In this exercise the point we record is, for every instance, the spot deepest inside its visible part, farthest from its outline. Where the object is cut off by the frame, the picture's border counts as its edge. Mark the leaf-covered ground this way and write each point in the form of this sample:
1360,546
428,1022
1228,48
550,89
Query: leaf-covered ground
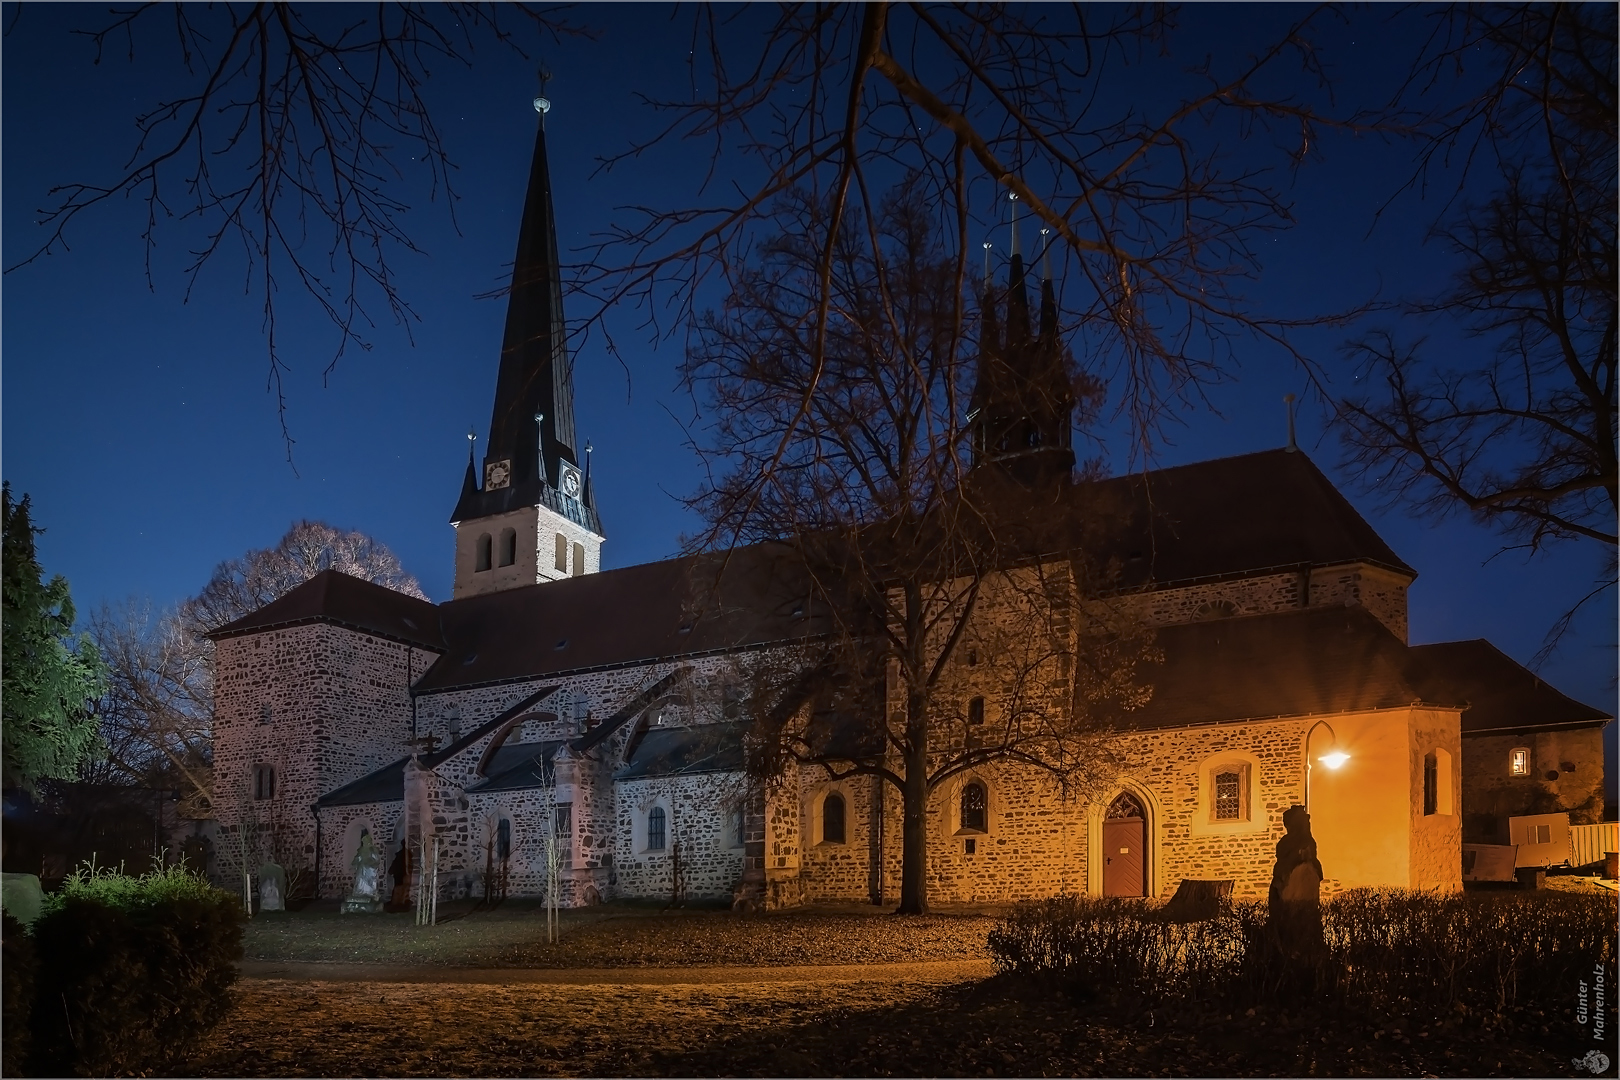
1000,1027
514,935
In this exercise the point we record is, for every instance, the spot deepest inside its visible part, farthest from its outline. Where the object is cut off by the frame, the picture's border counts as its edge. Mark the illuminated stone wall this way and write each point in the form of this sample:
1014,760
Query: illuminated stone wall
338,708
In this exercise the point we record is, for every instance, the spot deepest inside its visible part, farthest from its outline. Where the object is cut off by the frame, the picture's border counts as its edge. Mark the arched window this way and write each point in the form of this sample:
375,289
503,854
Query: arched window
976,711
508,547
503,839
655,829
974,806
1437,782
562,554
579,559
264,782
832,819
484,546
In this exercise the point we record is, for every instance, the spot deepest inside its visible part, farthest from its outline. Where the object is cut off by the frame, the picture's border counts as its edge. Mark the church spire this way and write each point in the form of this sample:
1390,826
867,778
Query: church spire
532,458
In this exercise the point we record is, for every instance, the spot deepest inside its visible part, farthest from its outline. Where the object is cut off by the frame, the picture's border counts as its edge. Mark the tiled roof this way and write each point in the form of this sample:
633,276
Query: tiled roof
1502,695
636,615
1229,517
387,784
516,766
671,751
334,597
1304,662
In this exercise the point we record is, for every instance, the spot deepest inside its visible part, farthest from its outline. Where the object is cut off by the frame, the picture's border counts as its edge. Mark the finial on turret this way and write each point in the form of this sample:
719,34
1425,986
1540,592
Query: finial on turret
987,264
472,437
1015,251
1046,254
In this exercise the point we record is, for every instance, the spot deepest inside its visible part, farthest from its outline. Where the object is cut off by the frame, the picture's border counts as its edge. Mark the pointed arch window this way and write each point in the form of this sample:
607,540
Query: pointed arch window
503,839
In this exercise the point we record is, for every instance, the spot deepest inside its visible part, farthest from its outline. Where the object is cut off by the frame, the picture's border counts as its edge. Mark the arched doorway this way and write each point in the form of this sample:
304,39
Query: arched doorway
1124,847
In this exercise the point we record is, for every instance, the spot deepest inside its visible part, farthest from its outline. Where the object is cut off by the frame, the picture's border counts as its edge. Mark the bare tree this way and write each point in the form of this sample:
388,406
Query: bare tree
1518,430
157,715
293,140
1154,230
855,455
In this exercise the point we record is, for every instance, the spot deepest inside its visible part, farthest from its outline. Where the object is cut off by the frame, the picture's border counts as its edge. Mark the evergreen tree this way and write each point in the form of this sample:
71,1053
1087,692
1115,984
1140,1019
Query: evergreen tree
51,676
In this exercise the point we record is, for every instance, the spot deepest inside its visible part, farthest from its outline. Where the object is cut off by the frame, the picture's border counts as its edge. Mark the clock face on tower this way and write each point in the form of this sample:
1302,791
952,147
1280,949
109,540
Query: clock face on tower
570,481
497,474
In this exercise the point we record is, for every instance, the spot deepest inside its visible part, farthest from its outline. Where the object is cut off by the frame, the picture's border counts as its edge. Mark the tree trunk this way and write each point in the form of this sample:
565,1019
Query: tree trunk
914,816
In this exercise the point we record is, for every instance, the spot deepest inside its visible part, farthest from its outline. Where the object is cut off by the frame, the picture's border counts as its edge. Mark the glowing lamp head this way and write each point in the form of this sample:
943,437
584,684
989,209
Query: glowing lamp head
1334,759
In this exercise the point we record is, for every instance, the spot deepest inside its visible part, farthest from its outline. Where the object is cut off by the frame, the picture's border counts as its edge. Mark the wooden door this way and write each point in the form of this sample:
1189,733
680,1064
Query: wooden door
1124,868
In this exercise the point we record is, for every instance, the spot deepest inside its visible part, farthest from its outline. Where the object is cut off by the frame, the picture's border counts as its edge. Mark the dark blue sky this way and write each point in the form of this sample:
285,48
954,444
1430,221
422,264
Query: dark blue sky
142,428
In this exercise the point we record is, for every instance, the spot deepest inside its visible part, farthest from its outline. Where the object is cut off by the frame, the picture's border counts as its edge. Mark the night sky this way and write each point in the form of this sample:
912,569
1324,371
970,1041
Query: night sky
141,426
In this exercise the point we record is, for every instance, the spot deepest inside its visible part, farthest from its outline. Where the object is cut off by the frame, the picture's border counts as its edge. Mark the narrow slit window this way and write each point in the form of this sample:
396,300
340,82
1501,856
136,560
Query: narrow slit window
264,782
562,554
503,839
1431,785
508,547
485,547
976,711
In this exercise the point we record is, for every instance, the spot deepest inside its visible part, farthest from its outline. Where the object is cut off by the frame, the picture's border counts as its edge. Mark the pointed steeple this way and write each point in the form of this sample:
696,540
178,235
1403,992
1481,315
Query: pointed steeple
531,458
536,374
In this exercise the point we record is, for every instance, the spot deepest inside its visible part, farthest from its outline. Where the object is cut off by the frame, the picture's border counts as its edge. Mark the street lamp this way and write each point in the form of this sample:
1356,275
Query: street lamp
1332,759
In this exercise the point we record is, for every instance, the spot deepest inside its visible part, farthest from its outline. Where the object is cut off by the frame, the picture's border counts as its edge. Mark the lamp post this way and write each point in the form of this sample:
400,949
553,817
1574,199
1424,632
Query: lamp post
1332,759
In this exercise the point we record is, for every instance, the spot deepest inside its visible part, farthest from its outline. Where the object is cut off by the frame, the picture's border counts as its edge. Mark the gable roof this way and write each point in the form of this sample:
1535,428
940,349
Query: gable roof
635,615
1502,694
334,597
1231,517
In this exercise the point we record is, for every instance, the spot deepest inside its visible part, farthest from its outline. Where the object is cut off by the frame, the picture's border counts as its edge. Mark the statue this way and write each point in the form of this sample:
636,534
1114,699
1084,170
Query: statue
1295,902
366,897
272,887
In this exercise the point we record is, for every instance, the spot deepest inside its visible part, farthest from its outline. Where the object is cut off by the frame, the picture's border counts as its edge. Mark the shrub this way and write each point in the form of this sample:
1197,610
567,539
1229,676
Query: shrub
134,971
17,970
1385,948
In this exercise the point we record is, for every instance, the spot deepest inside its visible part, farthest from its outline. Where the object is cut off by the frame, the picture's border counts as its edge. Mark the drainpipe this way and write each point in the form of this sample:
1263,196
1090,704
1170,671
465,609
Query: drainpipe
314,812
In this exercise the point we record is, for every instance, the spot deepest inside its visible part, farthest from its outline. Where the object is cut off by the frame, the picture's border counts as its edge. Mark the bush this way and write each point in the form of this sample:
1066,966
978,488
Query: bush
134,971
17,970
1385,948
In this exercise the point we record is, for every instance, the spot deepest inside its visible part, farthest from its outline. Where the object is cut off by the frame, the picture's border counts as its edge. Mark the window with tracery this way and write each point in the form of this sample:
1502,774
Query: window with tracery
974,807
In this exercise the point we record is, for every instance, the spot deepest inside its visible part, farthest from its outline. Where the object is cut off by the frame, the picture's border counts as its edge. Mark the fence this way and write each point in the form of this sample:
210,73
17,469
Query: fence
1588,843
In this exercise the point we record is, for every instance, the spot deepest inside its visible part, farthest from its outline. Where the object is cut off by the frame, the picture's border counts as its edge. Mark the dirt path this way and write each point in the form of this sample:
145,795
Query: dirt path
926,972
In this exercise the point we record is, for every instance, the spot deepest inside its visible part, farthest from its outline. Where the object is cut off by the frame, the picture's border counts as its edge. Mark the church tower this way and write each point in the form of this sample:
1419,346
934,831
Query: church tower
529,515
1021,415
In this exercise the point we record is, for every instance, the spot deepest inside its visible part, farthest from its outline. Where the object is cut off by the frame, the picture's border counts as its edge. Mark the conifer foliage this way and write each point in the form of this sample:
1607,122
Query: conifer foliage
51,676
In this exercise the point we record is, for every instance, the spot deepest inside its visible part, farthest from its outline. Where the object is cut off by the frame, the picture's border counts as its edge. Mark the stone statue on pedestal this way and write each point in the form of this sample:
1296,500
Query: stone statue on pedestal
366,897
272,887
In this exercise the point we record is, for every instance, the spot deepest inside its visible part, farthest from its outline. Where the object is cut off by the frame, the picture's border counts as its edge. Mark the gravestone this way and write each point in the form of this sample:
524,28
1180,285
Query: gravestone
366,896
272,887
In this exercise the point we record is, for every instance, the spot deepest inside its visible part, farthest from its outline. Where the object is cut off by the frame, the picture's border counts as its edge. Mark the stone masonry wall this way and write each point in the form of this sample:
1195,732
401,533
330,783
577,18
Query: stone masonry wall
1566,773
320,704
1382,592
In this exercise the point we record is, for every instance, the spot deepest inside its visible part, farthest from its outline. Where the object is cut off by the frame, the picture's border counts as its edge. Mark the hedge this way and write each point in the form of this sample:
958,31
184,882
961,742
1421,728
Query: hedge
1385,948
133,971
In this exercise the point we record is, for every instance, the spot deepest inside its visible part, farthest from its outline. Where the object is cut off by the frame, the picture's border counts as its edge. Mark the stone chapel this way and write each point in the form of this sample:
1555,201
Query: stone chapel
551,698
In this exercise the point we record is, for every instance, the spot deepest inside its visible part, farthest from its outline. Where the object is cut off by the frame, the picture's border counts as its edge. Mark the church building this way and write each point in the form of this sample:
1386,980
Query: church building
557,721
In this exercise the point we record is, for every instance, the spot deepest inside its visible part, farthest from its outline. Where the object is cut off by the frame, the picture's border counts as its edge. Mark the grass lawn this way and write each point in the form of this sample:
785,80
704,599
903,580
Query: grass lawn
514,935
